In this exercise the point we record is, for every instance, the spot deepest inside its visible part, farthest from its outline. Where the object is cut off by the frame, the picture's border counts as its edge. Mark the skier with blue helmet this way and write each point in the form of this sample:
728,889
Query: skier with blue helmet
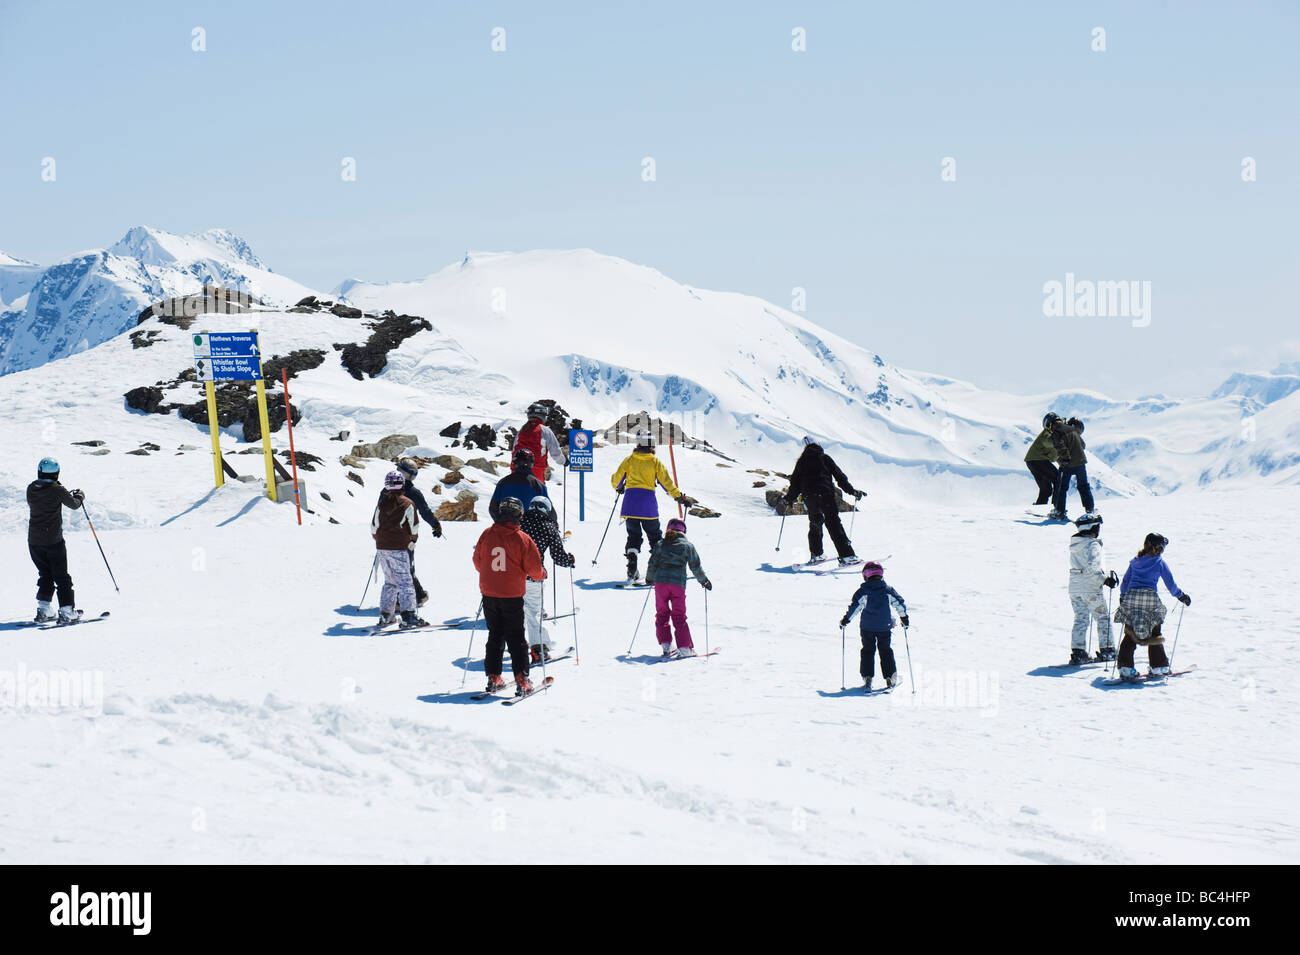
46,499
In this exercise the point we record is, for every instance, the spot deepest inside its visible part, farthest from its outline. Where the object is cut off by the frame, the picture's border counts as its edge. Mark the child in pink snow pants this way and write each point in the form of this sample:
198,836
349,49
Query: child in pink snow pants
667,571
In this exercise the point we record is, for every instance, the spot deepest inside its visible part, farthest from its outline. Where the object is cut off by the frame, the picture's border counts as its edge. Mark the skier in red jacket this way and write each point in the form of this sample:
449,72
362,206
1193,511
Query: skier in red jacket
505,557
537,438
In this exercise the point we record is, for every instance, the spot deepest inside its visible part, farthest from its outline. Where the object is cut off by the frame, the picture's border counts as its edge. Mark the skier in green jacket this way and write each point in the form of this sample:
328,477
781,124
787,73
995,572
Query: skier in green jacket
1040,457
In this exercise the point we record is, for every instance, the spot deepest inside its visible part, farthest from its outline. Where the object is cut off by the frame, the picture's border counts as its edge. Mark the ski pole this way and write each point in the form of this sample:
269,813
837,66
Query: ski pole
908,647
101,547
843,652
638,621
373,564
573,599
602,536
474,626
1177,630
781,531
1109,597
706,624
541,632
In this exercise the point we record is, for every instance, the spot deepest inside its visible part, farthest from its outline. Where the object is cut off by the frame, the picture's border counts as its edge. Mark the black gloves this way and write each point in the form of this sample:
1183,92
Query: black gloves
566,560
437,529
1186,599
686,501
902,618
844,622
706,584
859,495
618,490
1112,580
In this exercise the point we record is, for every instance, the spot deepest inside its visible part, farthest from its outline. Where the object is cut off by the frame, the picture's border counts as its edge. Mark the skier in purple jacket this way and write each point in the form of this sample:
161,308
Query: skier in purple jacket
1140,609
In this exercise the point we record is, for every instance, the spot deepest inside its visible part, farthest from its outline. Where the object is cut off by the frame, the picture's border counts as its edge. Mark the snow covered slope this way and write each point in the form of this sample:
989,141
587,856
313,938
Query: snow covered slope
49,313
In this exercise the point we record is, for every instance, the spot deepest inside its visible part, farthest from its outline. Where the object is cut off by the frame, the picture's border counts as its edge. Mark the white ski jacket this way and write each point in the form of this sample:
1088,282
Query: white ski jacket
1086,572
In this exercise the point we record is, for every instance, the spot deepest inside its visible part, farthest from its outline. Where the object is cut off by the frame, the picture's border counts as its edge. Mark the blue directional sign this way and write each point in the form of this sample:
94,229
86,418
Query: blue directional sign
582,457
227,356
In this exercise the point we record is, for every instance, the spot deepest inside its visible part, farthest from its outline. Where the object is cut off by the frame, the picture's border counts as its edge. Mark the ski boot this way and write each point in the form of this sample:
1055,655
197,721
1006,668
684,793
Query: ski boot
893,680
539,653
412,619
1106,654
1129,675
44,612
686,651
850,560
523,685
631,567
495,682
665,650
386,619
1079,656
1055,515
1157,672
68,615
866,684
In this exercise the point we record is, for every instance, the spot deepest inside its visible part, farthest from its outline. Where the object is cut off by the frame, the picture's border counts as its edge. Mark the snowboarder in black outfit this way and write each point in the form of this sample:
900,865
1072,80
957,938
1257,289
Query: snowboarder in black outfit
47,498
413,494
876,599
815,476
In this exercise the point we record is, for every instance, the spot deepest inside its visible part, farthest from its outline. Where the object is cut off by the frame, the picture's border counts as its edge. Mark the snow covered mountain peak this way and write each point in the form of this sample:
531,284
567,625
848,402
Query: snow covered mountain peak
155,247
7,259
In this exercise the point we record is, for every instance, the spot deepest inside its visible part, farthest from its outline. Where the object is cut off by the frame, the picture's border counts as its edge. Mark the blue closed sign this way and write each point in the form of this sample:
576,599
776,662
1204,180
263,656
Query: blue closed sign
582,455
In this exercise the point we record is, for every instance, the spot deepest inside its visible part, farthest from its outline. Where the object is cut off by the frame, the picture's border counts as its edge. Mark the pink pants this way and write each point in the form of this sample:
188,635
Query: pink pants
670,601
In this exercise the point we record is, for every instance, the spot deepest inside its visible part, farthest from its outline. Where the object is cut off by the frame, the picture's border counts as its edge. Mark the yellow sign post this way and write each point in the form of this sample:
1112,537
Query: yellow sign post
266,424
233,356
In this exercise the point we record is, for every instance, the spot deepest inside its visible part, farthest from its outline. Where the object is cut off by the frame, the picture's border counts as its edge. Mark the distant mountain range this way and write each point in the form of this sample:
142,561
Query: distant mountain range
606,337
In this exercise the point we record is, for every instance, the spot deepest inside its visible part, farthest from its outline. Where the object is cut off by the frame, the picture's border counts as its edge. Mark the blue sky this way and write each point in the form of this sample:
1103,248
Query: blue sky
775,169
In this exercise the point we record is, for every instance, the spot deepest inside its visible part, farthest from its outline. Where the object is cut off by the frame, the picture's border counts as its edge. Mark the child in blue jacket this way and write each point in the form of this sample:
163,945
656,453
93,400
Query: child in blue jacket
876,599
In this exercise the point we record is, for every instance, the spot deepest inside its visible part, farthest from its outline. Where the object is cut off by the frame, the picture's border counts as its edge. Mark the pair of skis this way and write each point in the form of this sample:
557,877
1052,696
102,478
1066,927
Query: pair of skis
1149,678
538,687
57,624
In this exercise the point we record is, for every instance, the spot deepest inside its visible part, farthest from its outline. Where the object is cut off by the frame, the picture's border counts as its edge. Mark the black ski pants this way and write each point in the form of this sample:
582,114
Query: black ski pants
825,512
1045,473
1080,474
421,595
653,533
505,623
51,562
1156,655
873,641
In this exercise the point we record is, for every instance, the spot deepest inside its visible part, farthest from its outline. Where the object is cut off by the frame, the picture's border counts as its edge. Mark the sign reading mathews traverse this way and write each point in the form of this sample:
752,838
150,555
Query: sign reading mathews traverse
233,356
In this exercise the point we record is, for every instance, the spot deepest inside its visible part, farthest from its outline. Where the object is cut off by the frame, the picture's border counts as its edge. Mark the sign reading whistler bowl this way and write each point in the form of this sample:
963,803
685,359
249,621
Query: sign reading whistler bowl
227,356
582,455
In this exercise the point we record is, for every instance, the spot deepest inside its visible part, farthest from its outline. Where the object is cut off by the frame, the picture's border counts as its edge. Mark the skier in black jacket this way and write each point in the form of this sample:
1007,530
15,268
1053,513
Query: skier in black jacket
520,484
47,498
413,494
815,476
539,524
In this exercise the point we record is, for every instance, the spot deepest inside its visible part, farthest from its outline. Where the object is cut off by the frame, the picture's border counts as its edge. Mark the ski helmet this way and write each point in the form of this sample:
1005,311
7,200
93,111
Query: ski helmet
678,525
537,410
1050,419
1155,542
644,439
523,460
1076,424
1088,522
394,481
541,504
511,511
408,467
871,569
48,468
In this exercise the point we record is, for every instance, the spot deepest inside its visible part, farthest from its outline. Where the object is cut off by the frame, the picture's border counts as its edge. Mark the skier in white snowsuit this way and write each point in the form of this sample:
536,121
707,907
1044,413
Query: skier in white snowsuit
1087,577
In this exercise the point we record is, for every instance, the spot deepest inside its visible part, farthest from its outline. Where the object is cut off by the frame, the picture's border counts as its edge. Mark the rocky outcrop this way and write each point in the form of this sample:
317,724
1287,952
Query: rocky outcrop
452,477
481,436
184,309
699,510
387,448
449,461
456,511
147,399
389,332
345,311
483,464
304,359
451,431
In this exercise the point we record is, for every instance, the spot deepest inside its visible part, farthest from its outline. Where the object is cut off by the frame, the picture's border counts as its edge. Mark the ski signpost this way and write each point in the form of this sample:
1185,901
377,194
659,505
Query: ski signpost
233,356
582,459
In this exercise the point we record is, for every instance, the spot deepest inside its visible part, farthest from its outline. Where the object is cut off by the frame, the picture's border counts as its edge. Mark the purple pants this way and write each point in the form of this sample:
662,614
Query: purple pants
670,601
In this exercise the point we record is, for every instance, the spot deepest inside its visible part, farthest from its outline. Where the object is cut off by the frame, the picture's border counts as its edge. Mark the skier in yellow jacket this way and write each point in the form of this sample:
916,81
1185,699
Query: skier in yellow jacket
637,476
